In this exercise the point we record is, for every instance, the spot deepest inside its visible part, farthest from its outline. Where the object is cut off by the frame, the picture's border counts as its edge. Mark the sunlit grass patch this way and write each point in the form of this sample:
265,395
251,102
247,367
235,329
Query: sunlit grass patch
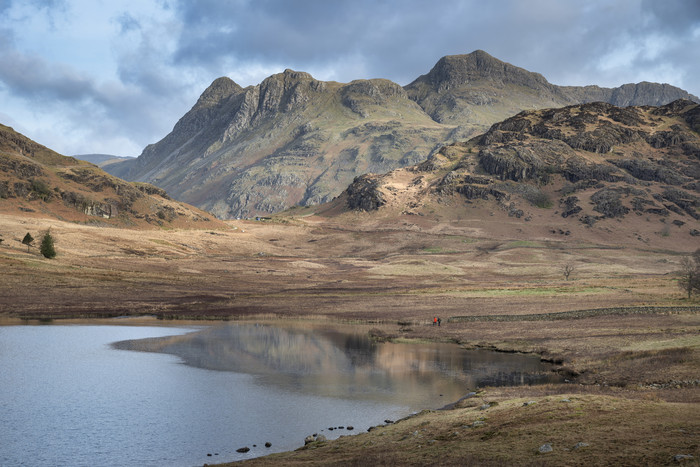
415,267
546,291
523,244
662,344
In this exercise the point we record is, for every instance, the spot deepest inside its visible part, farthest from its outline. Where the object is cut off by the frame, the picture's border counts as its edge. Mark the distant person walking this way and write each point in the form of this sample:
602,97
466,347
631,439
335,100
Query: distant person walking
435,321
439,321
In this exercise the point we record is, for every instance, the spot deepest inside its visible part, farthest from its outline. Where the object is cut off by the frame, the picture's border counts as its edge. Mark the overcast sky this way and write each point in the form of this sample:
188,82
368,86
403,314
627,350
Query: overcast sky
112,76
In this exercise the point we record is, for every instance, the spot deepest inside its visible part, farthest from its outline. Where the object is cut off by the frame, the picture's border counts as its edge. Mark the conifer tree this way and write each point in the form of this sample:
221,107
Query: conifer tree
47,249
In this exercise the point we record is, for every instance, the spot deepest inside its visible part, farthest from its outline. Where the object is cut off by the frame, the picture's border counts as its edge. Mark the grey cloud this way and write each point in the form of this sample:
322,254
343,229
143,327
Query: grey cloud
98,110
401,40
163,67
309,35
127,23
31,77
675,16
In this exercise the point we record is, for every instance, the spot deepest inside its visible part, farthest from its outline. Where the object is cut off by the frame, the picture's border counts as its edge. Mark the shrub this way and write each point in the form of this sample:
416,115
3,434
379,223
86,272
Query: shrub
41,189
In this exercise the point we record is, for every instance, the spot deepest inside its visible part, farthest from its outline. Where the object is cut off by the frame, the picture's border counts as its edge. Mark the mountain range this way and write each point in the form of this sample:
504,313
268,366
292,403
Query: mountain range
294,140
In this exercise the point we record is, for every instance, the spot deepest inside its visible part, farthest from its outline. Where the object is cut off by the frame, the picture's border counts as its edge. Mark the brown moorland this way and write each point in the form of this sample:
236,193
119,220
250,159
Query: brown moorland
633,362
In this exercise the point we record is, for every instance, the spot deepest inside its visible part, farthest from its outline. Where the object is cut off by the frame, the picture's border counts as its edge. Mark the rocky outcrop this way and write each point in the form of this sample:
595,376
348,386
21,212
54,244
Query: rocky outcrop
364,194
361,94
590,164
650,170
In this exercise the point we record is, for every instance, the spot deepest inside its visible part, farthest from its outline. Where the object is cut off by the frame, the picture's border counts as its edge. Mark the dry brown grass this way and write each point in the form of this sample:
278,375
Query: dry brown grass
613,430
395,280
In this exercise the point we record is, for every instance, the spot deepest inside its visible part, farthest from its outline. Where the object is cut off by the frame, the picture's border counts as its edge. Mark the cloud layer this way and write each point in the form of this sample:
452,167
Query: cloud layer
88,76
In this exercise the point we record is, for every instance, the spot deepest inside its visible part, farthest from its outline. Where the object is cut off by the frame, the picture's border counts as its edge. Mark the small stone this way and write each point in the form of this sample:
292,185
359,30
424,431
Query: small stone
682,457
243,449
268,444
566,400
350,427
478,423
525,404
581,445
545,448
388,422
485,406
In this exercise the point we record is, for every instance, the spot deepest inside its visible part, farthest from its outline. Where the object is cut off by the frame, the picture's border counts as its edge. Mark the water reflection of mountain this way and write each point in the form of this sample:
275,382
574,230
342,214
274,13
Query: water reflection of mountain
347,365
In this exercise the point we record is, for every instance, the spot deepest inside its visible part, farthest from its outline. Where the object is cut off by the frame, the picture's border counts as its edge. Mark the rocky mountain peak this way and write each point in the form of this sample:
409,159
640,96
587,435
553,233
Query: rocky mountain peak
649,93
296,75
359,95
219,89
456,70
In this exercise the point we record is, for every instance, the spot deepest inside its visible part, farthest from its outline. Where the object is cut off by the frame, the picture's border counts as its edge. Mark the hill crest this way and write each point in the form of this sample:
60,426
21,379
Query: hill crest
37,181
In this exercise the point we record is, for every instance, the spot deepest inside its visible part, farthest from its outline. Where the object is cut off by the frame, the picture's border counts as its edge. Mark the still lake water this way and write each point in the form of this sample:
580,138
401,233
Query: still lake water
78,395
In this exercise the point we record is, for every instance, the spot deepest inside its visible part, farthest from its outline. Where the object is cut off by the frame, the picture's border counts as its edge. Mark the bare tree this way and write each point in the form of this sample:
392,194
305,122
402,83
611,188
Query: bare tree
689,280
567,269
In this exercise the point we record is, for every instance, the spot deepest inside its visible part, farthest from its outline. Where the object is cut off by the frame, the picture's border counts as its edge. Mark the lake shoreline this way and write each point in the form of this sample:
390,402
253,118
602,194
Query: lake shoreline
678,393
396,279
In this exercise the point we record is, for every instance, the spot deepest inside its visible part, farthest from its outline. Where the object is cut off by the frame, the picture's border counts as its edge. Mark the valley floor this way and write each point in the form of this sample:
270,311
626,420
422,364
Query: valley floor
633,365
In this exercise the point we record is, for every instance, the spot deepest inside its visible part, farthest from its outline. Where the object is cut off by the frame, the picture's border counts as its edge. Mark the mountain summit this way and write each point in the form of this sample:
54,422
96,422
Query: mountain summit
294,140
